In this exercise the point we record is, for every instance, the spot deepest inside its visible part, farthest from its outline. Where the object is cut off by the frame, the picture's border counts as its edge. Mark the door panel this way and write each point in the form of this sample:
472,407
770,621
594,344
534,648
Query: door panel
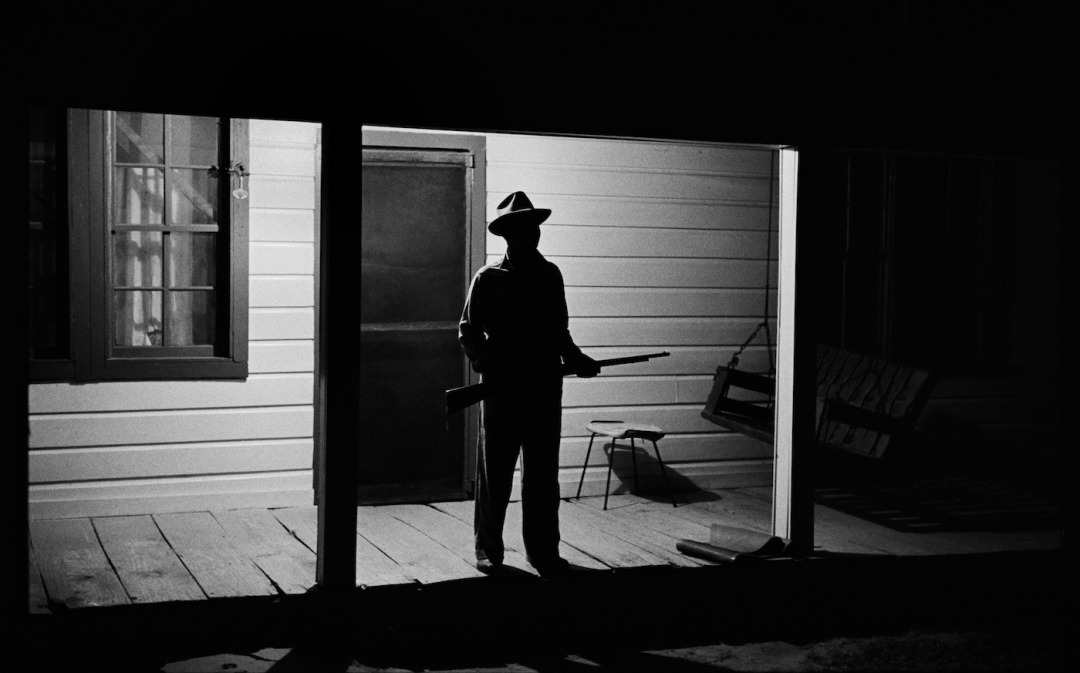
413,270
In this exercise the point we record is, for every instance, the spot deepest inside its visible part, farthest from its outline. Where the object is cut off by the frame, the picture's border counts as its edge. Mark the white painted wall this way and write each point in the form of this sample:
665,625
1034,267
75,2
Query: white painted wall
662,246
116,448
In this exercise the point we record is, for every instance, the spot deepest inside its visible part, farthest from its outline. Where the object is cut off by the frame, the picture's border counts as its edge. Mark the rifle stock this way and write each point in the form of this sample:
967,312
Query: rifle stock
465,396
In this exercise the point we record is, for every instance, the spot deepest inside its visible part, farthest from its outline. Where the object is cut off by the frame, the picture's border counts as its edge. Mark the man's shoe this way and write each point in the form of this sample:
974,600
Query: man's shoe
555,567
487,566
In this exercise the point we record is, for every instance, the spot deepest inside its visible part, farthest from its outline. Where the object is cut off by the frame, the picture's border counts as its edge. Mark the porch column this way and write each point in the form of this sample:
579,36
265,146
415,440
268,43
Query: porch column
339,359
796,352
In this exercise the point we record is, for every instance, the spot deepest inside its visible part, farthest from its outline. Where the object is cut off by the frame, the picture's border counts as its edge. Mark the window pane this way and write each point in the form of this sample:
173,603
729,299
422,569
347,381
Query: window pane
137,195
191,318
137,259
192,259
140,138
193,197
193,140
136,318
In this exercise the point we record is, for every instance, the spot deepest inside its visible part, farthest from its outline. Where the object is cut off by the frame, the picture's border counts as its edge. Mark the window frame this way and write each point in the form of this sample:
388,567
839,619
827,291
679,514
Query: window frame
889,337
91,356
61,368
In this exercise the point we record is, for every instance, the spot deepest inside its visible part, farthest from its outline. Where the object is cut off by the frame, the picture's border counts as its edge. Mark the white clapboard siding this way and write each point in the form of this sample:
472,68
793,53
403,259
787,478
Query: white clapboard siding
168,460
560,179
647,272
283,159
596,302
281,291
284,225
281,258
161,495
674,418
687,361
258,390
673,449
634,212
665,331
275,357
271,324
623,391
281,191
574,241
166,427
138,447
631,390
610,153
281,132
663,246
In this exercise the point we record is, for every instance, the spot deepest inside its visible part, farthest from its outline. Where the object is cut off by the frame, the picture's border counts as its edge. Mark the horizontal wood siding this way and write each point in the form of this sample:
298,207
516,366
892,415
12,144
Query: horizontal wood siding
663,246
1010,421
148,447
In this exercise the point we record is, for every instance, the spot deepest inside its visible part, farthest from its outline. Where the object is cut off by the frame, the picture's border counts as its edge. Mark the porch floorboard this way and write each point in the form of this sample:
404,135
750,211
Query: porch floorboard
161,558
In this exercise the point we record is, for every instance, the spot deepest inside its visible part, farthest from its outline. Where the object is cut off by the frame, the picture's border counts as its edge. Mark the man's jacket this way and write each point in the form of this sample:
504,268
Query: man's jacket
515,322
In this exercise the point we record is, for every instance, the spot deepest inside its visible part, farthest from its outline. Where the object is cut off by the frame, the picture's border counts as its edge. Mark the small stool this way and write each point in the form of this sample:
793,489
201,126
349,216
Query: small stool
631,431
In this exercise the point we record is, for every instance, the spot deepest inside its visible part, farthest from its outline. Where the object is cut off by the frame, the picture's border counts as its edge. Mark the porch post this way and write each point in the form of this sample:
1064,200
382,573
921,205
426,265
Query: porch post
339,355
793,505
14,416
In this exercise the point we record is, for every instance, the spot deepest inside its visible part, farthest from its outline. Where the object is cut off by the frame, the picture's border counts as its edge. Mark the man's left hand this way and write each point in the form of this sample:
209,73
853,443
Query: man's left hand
586,367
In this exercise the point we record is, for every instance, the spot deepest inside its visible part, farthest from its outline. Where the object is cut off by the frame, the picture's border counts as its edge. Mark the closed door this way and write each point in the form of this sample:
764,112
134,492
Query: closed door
413,281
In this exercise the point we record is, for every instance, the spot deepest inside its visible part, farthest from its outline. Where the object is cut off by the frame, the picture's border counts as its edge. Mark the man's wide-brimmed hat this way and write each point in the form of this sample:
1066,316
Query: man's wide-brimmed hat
516,210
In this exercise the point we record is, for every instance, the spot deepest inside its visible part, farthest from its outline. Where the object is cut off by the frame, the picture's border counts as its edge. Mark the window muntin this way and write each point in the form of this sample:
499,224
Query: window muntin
164,222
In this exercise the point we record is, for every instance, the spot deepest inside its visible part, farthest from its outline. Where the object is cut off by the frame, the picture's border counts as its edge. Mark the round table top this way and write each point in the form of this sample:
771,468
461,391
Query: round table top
623,430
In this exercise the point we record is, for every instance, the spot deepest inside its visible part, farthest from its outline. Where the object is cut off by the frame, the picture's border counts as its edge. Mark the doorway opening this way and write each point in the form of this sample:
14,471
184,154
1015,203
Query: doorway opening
416,262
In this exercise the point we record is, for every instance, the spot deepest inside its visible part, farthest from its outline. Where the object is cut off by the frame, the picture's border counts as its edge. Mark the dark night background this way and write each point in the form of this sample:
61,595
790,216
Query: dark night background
989,79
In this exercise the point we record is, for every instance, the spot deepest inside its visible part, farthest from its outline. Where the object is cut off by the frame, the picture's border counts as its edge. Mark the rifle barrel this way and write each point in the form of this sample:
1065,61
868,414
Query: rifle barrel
459,398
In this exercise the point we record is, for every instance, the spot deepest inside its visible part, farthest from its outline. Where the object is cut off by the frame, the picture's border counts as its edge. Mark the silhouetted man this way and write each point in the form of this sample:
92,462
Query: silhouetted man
514,329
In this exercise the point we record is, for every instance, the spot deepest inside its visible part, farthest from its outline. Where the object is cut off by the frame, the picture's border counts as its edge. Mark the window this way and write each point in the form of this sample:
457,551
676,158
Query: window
852,238
906,246
155,252
48,246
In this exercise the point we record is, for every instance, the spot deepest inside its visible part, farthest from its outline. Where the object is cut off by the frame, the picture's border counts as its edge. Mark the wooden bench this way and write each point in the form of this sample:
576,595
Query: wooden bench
865,405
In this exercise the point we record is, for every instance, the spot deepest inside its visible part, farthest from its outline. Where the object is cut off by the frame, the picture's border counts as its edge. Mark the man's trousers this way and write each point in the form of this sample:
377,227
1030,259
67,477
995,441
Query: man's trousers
523,417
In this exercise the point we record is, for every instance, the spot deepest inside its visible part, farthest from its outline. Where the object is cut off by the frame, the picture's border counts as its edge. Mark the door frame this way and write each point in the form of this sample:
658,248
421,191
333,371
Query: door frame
475,245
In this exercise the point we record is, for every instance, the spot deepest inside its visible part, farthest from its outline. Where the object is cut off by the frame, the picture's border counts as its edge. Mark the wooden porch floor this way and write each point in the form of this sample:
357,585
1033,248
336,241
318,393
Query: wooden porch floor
195,556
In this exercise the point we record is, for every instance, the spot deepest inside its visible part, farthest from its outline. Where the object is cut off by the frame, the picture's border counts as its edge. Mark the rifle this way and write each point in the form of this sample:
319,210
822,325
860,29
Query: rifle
459,398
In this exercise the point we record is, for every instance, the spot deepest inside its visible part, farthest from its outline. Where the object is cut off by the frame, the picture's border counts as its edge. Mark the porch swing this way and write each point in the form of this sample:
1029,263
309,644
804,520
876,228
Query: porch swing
752,418
867,407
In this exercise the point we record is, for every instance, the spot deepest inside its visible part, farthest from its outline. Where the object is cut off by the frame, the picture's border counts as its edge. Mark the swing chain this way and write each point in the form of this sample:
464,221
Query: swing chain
734,362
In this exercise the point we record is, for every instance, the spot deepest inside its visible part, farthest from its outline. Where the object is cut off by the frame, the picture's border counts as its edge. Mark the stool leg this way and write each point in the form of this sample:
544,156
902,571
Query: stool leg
633,458
663,471
607,487
585,466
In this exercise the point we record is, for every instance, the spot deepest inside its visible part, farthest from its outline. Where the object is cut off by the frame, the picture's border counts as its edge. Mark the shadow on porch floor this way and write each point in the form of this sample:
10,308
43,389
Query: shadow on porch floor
197,556
606,621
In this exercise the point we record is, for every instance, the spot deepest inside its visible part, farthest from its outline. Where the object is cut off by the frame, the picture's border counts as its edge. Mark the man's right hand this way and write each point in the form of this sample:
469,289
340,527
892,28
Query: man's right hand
585,367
